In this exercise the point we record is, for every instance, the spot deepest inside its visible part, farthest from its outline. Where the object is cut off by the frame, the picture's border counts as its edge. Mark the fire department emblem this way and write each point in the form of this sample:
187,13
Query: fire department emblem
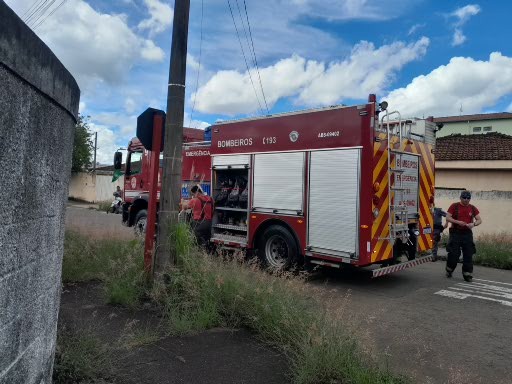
294,136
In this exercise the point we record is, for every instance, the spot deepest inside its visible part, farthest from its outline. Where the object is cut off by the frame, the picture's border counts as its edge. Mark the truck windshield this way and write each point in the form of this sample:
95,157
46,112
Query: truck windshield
135,163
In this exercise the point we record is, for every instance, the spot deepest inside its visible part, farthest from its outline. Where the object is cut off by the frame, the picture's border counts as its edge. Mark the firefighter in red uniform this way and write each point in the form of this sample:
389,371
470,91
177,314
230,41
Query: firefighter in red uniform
463,217
202,210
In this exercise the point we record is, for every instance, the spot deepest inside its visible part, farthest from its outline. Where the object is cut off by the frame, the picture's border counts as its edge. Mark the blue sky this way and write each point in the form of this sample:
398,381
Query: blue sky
424,57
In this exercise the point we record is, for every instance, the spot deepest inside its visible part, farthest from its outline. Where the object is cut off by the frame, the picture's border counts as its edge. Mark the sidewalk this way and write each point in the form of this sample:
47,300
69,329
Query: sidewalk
82,204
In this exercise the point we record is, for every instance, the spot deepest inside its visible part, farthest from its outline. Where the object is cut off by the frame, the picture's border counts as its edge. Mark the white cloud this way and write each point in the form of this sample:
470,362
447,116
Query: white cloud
350,9
82,106
474,84
231,92
462,15
106,143
94,46
458,37
415,28
367,70
160,19
129,105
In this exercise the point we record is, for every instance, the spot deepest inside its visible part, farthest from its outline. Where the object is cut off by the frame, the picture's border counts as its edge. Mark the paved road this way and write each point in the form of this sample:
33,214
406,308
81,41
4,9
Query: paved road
100,224
434,329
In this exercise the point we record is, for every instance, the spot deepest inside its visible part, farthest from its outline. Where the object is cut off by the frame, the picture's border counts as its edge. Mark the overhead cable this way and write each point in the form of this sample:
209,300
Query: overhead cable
245,59
255,60
51,13
199,67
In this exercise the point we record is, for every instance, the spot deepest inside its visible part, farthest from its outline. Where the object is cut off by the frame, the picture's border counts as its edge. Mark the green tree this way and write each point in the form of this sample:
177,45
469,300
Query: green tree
83,145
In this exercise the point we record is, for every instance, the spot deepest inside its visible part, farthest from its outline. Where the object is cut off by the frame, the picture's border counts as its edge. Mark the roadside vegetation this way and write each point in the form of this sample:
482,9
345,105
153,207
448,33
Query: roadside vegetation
104,206
201,292
118,263
493,251
81,357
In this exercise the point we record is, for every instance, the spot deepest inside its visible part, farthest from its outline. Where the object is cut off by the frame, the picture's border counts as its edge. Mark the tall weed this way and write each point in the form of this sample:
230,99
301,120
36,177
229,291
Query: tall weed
494,250
204,292
116,262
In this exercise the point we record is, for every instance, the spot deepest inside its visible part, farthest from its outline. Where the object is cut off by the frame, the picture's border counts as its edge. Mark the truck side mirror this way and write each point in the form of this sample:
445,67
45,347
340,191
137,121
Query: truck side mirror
118,160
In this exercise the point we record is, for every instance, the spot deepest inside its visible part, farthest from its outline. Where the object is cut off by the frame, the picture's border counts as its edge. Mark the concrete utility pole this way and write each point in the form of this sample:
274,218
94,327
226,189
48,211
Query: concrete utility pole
95,149
170,193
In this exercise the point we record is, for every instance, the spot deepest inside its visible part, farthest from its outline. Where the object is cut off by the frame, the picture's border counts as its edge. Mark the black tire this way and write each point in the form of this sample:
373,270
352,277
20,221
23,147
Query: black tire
277,248
140,222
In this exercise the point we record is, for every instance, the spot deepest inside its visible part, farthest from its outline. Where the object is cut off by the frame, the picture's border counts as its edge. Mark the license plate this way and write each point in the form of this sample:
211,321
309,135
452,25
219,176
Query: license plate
427,231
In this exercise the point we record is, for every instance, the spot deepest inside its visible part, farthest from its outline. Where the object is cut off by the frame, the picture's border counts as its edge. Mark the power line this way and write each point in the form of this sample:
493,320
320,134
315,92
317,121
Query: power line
35,11
255,60
253,53
36,19
51,13
245,59
199,68
31,8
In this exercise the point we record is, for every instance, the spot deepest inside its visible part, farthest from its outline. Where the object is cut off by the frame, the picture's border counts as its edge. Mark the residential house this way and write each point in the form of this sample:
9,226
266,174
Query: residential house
482,164
475,124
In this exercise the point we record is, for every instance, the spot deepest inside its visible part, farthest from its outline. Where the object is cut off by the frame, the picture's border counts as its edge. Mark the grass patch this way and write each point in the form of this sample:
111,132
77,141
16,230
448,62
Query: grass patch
204,292
117,263
81,358
104,206
494,251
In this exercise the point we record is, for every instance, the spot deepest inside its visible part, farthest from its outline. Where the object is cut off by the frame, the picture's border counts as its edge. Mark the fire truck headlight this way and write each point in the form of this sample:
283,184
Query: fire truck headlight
376,212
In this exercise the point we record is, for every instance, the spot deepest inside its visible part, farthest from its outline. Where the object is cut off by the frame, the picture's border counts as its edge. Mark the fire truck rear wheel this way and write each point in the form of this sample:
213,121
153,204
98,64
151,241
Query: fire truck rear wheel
277,248
140,222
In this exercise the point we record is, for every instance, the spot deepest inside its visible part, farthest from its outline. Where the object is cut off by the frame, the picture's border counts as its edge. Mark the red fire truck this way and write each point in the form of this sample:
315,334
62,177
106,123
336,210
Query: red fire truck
196,169
332,186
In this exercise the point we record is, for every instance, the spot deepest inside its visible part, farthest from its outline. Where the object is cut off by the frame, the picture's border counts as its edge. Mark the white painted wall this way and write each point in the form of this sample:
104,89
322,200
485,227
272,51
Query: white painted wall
93,188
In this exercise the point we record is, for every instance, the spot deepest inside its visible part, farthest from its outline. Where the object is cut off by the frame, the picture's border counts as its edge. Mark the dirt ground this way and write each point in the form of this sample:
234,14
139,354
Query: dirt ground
216,356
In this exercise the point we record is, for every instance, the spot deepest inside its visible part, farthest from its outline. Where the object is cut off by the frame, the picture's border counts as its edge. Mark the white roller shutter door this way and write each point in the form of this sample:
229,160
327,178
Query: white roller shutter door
334,201
225,160
279,181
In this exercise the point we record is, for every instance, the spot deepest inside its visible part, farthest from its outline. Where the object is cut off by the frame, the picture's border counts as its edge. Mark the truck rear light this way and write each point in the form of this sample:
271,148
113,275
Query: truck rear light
376,186
375,200
376,212
431,200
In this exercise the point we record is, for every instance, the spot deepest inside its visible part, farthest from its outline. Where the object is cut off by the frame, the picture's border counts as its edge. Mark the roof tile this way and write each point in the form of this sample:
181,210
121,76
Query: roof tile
490,146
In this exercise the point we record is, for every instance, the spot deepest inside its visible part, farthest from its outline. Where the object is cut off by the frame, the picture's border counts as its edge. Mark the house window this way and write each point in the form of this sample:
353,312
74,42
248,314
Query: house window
487,129
477,129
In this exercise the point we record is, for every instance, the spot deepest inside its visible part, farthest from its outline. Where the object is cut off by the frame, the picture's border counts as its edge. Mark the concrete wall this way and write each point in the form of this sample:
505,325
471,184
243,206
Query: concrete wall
38,104
475,179
92,187
495,209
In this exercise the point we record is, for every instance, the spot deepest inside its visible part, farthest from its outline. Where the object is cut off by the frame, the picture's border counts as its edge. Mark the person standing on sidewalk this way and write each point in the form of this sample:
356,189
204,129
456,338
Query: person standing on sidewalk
463,217
438,230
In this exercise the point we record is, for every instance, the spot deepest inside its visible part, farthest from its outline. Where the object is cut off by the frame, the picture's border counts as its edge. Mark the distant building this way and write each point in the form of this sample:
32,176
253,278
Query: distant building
475,124
481,163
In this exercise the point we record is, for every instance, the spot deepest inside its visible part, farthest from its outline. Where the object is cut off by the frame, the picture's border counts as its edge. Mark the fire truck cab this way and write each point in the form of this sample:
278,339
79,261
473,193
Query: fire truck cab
196,167
332,186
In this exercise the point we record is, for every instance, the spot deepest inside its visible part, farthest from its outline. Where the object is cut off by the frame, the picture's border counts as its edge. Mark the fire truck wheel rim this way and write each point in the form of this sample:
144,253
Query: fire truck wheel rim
276,251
